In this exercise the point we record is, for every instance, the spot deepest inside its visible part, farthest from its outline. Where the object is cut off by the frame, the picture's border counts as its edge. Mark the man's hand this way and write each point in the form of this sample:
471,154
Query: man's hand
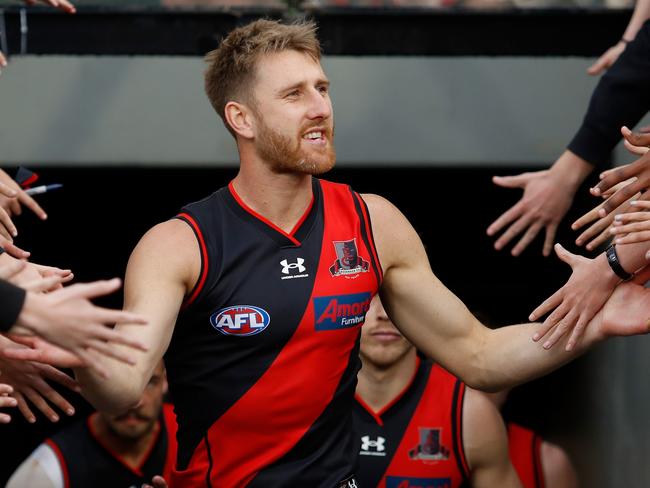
41,351
543,206
547,197
156,482
60,4
578,301
626,313
640,169
66,318
633,226
598,232
607,59
27,378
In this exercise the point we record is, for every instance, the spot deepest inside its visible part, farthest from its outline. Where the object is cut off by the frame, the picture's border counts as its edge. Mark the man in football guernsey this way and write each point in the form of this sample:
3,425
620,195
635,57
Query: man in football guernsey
257,293
539,463
111,451
417,424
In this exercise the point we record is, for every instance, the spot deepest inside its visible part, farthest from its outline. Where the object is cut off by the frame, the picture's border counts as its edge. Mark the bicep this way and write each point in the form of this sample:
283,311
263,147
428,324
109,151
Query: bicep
485,441
423,309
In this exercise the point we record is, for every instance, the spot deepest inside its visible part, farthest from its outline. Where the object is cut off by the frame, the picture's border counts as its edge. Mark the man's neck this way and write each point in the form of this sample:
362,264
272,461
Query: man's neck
380,386
280,198
130,451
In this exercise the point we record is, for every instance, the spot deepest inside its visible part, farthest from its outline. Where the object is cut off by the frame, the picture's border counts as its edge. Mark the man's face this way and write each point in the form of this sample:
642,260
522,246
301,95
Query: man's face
294,128
382,344
141,419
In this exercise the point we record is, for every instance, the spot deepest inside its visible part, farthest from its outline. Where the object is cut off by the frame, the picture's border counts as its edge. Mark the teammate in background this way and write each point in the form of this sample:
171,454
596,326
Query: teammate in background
260,336
539,463
105,450
417,423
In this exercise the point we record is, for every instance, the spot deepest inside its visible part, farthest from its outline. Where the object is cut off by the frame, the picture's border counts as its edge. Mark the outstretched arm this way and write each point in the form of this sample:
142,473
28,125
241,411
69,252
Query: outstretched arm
163,267
485,440
440,325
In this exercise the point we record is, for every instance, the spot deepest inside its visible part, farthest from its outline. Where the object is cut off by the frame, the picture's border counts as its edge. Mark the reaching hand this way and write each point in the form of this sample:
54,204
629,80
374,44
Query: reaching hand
627,312
156,482
633,226
60,4
640,169
577,302
543,205
28,381
607,59
67,318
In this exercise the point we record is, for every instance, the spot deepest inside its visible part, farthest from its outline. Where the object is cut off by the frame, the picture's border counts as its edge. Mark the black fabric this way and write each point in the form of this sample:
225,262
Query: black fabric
622,97
13,299
88,463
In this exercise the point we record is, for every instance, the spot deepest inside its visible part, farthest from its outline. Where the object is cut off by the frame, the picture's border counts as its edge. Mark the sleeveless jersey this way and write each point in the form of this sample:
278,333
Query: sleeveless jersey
524,446
86,461
416,440
263,360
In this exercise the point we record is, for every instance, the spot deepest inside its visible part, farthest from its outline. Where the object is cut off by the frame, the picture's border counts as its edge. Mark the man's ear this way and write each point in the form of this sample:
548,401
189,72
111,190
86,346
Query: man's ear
240,119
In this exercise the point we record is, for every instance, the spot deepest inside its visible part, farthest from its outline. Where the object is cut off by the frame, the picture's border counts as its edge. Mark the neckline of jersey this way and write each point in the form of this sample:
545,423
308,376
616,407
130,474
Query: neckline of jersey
288,235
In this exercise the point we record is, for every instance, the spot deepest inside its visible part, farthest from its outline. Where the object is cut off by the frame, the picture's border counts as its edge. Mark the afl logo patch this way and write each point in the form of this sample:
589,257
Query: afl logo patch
240,320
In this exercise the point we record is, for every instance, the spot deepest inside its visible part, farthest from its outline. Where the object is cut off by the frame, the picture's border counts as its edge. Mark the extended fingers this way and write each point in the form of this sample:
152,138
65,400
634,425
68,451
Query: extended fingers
6,190
23,407
90,290
506,218
50,372
7,229
515,229
31,204
549,304
109,350
551,230
527,238
564,324
12,268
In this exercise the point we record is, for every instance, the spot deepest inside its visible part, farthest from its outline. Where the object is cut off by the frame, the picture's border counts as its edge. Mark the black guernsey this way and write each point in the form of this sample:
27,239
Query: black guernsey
263,361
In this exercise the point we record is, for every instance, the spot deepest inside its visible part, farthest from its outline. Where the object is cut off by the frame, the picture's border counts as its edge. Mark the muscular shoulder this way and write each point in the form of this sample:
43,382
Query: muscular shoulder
393,232
168,250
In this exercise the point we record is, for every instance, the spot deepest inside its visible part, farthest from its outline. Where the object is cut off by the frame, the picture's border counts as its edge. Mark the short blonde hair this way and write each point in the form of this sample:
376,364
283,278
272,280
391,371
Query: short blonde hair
231,67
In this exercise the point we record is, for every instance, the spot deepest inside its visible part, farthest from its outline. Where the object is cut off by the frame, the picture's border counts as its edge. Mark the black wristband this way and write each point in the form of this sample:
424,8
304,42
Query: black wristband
615,263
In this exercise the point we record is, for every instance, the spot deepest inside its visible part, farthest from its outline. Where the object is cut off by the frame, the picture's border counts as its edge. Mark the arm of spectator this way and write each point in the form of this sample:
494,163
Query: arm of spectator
639,16
591,283
547,198
28,380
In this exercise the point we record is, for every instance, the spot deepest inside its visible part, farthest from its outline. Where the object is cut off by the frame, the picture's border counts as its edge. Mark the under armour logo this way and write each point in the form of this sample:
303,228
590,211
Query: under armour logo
352,484
297,266
366,443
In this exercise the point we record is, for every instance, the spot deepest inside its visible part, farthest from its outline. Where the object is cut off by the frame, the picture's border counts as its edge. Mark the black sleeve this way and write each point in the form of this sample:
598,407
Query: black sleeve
12,299
622,97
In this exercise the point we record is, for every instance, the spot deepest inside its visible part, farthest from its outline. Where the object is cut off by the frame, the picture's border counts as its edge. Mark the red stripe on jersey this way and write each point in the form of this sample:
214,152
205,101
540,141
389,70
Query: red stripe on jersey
524,449
371,238
459,401
258,216
62,463
272,416
172,447
430,428
204,259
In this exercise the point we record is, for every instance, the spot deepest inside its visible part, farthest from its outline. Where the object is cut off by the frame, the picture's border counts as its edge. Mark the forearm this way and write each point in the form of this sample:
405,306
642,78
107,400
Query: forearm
632,256
620,98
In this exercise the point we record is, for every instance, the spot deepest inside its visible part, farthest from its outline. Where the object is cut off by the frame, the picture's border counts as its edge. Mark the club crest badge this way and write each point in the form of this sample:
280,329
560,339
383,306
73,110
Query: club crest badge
430,447
348,262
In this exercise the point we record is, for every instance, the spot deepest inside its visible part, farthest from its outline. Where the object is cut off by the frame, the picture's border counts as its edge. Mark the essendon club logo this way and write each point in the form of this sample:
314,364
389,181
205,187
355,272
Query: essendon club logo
430,447
348,262
341,311
240,320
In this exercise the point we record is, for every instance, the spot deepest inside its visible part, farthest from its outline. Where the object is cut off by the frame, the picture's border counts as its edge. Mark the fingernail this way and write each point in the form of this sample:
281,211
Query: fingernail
536,337
569,347
633,202
546,345
54,418
647,255
70,411
619,217
531,317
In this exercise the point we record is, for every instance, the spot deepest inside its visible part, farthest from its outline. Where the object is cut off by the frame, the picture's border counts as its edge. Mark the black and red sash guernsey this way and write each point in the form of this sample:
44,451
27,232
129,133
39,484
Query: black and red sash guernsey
85,459
416,440
263,360
524,446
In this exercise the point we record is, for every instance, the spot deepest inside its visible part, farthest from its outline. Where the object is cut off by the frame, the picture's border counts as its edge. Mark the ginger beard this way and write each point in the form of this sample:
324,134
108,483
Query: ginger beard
285,156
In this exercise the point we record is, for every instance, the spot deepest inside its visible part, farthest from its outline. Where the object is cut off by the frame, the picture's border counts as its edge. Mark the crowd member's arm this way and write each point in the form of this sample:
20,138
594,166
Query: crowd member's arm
163,267
485,440
41,469
639,16
621,97
440,325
